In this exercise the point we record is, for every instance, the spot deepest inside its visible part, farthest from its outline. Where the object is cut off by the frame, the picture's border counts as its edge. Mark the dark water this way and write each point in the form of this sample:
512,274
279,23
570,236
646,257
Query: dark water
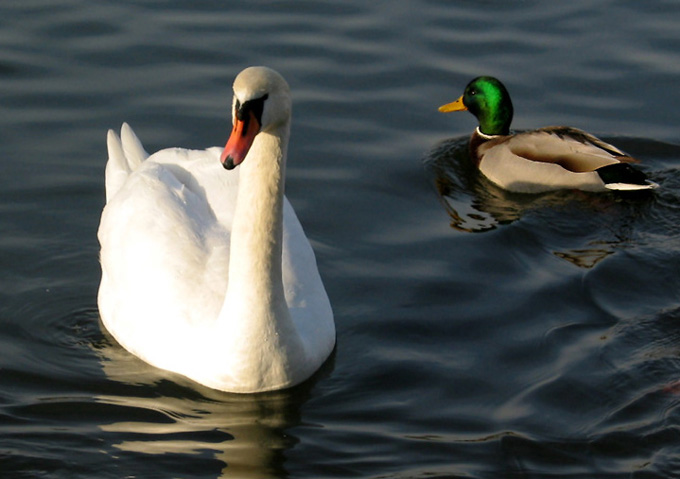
480,334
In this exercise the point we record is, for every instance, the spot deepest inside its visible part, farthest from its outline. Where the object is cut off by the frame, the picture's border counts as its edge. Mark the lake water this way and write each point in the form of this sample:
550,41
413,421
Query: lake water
480,334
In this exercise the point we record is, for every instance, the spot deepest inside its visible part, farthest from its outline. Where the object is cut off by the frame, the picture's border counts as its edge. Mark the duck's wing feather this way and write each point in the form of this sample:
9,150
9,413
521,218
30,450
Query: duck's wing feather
571,148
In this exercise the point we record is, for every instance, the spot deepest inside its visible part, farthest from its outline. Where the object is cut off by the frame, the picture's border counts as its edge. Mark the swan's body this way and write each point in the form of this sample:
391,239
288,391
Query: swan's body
207,272
546,159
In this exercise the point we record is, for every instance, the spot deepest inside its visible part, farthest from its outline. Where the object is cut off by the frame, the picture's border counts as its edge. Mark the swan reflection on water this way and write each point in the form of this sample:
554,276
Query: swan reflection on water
475,205
166,413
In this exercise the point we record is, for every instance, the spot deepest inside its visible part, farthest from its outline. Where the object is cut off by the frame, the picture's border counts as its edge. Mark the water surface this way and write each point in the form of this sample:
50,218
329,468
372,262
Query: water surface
480,334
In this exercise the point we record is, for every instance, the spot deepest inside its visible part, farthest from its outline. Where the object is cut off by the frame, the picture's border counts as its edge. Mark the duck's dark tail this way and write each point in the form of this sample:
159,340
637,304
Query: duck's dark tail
623,177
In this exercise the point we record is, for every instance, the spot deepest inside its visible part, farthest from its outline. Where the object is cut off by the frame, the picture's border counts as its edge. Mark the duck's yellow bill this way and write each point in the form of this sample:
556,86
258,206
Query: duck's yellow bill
454,106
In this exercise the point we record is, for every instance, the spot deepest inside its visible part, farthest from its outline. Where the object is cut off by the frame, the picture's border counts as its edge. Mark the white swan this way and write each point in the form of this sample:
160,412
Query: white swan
207,272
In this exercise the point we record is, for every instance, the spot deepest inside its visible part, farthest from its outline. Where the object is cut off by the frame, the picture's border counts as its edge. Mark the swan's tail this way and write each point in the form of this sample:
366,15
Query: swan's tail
125,155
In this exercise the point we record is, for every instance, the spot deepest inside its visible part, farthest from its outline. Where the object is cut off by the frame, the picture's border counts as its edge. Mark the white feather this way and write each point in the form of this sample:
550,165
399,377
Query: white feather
173,294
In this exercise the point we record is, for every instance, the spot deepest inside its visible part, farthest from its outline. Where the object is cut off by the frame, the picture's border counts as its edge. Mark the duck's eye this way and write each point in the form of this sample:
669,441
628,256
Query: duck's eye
473,92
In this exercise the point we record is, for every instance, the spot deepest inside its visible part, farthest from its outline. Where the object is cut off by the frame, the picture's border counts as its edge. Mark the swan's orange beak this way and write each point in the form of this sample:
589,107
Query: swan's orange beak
240,141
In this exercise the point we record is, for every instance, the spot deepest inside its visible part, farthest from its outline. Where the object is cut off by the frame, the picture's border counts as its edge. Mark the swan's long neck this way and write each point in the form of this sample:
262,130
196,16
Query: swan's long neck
256,239
255,322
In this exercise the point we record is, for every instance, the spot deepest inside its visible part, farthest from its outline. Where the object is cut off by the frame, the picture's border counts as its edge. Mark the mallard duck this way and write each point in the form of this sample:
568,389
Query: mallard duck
551,158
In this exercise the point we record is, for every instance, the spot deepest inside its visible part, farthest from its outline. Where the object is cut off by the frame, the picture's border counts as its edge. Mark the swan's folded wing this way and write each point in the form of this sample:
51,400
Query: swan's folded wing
126,153
306,296
134,151
158,253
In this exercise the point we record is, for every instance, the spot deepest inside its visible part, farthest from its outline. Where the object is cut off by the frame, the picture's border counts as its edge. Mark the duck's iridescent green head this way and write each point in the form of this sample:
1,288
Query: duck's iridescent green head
487,99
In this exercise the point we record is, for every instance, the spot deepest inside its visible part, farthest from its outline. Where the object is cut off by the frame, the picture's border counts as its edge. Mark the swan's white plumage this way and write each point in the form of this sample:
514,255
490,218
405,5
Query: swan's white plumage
168,294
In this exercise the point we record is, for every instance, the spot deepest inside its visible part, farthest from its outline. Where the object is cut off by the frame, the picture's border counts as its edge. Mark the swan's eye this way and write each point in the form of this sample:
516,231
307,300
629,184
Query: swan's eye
256,106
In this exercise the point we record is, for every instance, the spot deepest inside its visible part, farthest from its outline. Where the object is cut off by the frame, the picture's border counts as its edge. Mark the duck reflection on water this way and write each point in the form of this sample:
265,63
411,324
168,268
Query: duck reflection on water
600,223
